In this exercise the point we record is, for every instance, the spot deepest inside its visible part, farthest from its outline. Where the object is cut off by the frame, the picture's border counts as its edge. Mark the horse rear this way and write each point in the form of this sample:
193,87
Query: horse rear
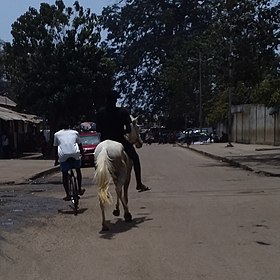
111,161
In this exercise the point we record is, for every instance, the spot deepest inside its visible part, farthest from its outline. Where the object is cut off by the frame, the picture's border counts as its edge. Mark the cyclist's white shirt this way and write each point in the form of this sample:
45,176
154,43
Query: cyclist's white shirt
67,141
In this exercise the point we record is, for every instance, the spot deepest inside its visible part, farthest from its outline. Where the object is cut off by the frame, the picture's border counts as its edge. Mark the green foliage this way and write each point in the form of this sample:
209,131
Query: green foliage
154,47
153,41
179,78
54,63
268,91
1,67
219,108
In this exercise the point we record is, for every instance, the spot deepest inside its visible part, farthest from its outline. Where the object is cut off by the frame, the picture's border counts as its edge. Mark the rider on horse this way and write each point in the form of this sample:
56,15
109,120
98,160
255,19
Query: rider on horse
113,123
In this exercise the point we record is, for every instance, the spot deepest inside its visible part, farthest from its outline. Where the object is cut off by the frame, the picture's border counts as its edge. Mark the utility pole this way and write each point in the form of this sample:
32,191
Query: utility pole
199,60
200,92
230,89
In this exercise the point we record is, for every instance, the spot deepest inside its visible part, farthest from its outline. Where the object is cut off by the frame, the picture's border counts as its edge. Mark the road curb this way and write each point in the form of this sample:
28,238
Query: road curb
233,162
44,173
32,178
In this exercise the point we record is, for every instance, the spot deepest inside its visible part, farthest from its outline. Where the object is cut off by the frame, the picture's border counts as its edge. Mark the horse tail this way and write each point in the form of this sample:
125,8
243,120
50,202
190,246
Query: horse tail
103,176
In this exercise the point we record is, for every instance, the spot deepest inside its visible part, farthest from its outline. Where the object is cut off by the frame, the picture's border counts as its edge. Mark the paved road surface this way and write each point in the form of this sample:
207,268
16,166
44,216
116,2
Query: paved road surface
262,159
202,220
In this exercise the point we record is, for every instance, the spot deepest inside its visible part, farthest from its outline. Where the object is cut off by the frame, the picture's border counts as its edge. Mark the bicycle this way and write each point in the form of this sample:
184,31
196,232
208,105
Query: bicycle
73,188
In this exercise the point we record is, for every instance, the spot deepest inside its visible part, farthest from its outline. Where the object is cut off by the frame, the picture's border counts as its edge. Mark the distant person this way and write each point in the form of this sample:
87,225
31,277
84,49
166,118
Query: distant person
43,144
6,146
211,137
68,145
188,139
113,123
192,136
224,137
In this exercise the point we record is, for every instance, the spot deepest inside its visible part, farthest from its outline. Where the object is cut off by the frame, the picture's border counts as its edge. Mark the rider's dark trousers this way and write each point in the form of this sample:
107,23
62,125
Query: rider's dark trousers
130,150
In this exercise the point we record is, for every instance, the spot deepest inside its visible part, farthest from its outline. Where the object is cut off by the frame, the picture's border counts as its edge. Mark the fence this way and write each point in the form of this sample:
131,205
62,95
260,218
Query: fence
255,124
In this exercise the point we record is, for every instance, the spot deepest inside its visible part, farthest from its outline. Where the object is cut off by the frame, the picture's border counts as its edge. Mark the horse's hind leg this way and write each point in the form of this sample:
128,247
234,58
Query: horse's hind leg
104,226
116,212
127,215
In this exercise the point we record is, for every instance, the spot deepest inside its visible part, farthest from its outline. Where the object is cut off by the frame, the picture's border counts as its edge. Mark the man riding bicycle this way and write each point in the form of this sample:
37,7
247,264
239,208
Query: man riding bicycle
68,145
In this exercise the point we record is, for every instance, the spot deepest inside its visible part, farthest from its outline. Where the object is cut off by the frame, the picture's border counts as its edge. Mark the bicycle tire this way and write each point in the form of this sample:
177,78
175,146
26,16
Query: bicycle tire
73,191
75,197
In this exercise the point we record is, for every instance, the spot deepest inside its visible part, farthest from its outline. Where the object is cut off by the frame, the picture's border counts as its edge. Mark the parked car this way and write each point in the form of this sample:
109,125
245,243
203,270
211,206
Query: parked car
194,135
87,126
90,140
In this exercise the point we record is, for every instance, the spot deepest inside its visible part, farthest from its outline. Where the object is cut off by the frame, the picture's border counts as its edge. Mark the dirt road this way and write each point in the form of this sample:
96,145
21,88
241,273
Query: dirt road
201,220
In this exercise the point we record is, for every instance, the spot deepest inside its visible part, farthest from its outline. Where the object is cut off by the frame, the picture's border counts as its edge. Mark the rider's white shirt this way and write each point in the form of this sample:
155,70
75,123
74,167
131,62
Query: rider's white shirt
67,141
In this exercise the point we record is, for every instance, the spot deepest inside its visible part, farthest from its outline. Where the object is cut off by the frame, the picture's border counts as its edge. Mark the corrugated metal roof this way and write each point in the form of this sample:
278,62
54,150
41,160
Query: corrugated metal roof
4,100
32,118
10,115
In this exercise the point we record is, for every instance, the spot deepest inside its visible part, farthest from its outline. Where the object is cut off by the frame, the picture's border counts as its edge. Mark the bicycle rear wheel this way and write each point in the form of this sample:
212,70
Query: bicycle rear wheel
73,191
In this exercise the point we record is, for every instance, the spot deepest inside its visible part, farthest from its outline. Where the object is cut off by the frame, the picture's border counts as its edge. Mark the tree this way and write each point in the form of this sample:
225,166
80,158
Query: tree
54,63
145,36
268,91
154,41
3,82
245,38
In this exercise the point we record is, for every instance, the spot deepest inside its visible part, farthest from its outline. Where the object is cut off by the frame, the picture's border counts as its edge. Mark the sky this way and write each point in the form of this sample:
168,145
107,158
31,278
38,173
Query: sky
10,10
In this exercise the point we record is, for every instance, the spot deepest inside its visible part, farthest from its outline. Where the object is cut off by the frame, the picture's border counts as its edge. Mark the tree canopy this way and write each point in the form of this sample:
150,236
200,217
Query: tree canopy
164,56
158,44
3,81
54,63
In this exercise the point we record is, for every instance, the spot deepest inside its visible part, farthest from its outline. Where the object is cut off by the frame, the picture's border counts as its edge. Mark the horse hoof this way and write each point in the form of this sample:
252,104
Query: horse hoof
127,217
116,212
105,228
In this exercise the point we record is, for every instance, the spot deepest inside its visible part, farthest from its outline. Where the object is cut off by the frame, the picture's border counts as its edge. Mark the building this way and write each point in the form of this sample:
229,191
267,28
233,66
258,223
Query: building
21,129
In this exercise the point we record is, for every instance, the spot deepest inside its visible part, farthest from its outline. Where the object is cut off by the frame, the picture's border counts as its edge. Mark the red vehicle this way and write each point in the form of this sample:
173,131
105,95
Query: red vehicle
90,139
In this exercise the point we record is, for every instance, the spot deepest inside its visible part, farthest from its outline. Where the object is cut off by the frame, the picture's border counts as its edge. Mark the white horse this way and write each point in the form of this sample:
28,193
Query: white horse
111,161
